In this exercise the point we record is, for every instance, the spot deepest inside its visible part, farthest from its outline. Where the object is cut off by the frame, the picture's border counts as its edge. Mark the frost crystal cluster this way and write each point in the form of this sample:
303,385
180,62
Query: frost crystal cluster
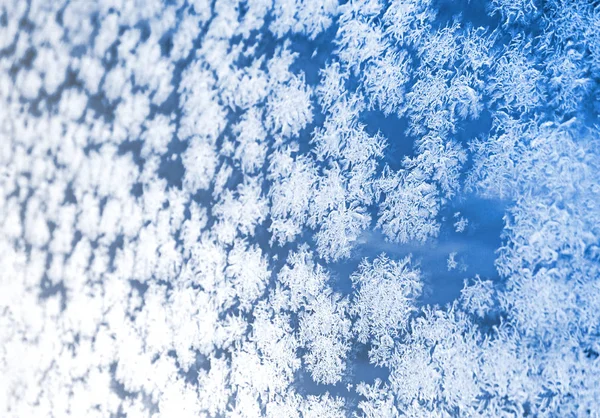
299,208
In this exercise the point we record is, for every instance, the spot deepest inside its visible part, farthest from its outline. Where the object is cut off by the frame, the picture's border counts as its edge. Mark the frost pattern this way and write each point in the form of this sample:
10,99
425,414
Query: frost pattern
195,198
